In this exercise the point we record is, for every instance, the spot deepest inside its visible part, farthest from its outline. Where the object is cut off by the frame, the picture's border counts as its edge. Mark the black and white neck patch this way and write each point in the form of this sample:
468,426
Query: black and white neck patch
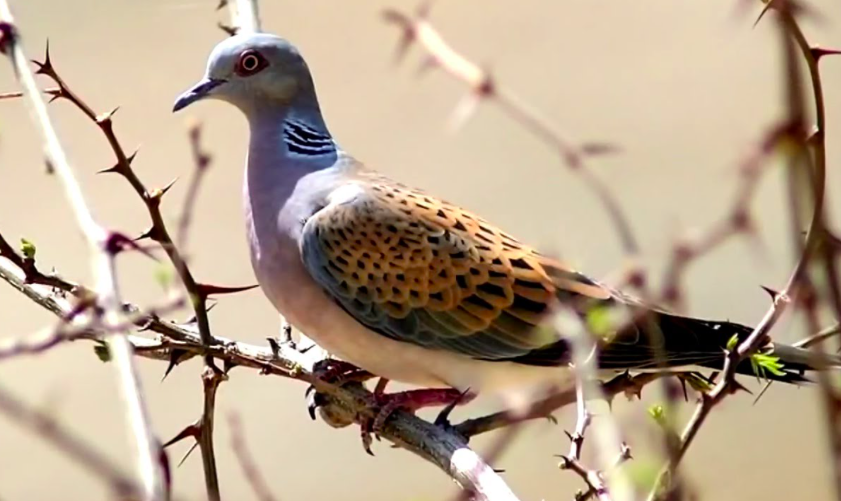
303,140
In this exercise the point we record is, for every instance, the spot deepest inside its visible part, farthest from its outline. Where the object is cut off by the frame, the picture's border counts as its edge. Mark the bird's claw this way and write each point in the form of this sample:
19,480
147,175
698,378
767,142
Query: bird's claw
385,404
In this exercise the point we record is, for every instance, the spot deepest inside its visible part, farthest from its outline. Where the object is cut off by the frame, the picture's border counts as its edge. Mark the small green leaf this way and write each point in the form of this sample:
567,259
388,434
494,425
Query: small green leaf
599,322
27,248
643,472
732,342
762,362
658,414
696,381
102,352
164,275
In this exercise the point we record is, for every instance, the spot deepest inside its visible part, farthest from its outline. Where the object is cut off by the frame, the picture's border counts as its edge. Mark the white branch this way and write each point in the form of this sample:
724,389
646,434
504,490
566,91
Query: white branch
102,263
245,15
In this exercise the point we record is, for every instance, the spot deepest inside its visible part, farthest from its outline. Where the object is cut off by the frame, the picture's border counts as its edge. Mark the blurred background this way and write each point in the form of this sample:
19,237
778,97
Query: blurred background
685,88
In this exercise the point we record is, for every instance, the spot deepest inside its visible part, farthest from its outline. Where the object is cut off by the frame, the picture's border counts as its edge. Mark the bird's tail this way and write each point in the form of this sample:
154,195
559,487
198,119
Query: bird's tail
686,342
775,361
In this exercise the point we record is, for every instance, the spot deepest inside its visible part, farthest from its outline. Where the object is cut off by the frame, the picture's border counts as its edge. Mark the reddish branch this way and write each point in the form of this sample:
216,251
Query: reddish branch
795,137
197,292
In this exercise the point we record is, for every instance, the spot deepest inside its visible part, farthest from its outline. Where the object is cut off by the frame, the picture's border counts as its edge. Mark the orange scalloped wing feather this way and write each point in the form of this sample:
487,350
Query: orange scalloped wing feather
424,271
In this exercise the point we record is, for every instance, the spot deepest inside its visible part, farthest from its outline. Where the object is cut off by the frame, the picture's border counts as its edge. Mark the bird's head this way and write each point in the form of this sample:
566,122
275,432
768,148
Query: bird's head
252,71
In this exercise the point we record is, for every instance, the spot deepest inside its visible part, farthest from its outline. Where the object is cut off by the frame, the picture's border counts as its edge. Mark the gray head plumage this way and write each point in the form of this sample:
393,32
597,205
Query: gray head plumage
253,70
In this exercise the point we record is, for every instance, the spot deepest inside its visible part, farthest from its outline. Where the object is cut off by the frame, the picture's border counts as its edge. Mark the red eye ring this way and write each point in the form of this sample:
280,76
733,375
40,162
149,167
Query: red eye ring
249,63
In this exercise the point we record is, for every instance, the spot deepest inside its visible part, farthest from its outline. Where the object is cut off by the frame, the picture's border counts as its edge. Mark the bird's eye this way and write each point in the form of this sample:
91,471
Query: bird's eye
249,63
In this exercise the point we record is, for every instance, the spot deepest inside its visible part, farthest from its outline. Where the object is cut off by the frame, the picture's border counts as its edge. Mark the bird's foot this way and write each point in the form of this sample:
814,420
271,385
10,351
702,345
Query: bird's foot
338,372
335,372
385,404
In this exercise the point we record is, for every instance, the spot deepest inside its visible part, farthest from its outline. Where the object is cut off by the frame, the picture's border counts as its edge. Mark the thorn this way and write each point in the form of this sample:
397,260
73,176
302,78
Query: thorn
130,158
771,292
105,118
168,186
55,93
117,242
594,149
767,385
176,356
45,68
191,430
209,289
227,365
765,9
222,4
230,30
737,386
190,451
110,170
50,168
819,52
193,320
274,346
151,233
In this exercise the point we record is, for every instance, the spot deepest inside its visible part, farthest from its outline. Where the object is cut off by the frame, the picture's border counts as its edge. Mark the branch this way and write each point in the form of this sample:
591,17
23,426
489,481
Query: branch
345,404
104,246
41,424
246,462
760,335
483,86
583,352
245,15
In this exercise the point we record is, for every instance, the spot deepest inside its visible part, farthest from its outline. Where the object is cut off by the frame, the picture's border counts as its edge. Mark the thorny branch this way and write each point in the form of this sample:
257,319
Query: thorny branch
794,137
346,405
197,292
104,245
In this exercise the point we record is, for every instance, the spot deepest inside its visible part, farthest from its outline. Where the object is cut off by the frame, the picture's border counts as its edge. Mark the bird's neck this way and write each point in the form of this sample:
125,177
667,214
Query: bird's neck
289,142
291,152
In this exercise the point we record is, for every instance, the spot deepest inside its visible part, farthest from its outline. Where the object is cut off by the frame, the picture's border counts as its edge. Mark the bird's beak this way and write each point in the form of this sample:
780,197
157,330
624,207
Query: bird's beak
198,91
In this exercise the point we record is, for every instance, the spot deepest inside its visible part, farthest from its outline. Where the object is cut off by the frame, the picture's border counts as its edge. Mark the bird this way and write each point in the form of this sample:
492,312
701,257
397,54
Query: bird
412,288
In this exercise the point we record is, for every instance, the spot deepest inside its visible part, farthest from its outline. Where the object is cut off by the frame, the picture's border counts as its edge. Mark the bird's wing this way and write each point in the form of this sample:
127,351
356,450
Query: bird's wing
420,270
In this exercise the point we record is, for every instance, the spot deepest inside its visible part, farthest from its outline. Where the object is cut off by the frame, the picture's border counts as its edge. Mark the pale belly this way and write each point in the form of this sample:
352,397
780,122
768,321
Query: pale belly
308,308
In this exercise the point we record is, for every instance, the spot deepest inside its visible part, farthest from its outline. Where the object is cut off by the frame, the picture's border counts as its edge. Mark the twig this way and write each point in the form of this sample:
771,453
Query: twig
583,352
736,221
197,292
201,161
483,86
828,251
103,245
819,337
447,450
246,461
245,15
759,336
41,424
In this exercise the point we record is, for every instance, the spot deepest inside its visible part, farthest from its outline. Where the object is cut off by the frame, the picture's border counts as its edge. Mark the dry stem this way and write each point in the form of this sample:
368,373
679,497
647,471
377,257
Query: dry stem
104,246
